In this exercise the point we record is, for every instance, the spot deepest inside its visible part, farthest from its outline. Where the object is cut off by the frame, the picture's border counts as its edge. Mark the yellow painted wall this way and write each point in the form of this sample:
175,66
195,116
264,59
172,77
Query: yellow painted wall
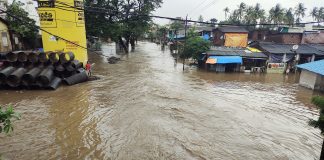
236,40
67,22
4,28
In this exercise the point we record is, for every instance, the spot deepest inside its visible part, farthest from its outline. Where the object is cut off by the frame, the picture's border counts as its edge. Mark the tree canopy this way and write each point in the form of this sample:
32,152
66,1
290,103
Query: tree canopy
194,46
25,30
246,14
118,19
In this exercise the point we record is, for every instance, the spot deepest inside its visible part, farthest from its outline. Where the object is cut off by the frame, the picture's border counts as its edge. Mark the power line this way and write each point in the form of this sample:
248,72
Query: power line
209,5
176,19
192,11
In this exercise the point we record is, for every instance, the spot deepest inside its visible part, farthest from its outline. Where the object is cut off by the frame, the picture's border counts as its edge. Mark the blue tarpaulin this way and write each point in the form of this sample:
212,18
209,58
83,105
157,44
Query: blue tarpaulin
227,59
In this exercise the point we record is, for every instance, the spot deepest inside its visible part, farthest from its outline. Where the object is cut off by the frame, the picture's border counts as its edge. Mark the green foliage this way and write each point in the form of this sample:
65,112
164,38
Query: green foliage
176,25
162,31
245,14
319,102
194,46
6,115
126,18
300,12
201,18
26,30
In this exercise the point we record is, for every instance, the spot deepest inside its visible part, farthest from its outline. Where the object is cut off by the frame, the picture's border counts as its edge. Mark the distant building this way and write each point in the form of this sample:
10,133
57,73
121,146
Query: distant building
312,75
230,36
313,37
228,59
284,55
259,34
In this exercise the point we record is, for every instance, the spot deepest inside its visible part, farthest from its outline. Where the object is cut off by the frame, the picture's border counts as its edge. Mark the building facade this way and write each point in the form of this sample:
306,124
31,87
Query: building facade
230,36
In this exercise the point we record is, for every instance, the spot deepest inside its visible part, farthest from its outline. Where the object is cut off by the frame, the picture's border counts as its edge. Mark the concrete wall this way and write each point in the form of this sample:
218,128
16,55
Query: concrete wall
217,38
310,80
317,38
5,43
285,38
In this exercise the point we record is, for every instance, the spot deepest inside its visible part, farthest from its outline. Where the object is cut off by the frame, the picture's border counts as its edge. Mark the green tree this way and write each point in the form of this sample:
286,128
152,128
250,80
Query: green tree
314,14
300,12
162,32
200,18
214,21
194,46
319,123
6,115
321,14
175,27
234,18
119,19
276,14
259,13
226,10
289,17
28,31
241,10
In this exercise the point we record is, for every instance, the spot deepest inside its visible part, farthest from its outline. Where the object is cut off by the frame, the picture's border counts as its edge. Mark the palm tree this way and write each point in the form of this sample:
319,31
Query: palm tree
314,13
289,17
226,10
259,12
250,16
319,102
300,12
241,9
276,14
321,13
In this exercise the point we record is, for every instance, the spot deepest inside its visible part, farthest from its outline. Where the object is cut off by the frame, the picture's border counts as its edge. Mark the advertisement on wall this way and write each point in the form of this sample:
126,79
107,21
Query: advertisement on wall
276,67
65,23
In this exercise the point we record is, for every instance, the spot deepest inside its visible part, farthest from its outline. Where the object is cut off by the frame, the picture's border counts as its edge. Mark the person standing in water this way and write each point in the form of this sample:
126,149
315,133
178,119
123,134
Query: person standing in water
88,68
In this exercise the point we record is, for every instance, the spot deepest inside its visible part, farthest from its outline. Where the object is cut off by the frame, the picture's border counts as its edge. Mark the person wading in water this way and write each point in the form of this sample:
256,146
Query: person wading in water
88,68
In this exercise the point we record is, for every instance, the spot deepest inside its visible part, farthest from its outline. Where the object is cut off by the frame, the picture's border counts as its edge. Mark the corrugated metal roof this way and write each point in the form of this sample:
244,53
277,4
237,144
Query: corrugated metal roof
319,47
316,67
233,29
287,48
227,51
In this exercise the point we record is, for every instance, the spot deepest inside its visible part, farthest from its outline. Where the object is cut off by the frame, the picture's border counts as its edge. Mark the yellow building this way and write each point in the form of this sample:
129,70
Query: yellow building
64,20
5,43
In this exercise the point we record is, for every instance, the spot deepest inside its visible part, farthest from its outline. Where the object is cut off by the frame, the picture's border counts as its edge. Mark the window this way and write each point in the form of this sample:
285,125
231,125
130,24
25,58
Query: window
4,38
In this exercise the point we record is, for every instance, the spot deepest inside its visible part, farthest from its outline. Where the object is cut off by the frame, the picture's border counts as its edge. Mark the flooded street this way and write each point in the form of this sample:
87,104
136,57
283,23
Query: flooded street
146,107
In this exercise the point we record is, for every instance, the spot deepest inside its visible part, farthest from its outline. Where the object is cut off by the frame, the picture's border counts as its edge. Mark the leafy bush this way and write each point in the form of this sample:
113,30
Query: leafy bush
6,115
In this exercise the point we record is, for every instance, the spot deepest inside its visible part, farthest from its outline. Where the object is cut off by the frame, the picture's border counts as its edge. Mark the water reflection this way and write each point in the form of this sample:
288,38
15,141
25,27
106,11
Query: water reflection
146,107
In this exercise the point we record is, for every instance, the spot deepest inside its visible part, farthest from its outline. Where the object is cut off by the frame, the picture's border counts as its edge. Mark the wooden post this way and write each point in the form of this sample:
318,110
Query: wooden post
184,59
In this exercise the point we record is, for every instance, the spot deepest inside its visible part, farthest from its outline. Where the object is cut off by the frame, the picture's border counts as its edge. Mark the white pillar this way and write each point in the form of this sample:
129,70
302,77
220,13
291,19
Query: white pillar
284,58
313,58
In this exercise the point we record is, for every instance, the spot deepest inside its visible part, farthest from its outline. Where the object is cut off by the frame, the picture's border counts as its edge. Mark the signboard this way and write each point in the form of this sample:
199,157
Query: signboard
47,18
276,67
46,4
61,21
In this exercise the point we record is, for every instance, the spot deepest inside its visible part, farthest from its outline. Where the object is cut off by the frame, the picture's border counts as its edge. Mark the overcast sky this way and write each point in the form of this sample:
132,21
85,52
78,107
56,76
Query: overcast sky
214,8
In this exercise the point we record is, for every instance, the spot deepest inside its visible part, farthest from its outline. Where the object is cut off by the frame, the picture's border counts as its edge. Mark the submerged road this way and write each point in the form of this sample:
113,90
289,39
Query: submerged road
146,107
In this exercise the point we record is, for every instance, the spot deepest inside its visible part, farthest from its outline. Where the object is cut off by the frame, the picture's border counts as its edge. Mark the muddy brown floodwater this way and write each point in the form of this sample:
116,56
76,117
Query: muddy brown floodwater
146,107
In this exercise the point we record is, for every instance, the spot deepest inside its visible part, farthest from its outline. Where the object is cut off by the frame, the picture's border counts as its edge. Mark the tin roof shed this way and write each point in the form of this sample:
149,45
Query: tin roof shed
316,67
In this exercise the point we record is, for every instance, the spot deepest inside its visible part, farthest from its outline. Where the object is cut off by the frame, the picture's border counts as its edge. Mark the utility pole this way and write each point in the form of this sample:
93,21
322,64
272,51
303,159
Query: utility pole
184,59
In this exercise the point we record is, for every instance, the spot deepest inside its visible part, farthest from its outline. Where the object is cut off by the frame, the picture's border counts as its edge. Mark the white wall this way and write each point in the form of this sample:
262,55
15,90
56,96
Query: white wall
308,79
